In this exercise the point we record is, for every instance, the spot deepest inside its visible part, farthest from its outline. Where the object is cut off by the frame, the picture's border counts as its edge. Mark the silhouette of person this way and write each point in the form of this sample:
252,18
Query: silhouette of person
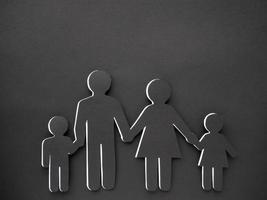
158,143
213,158
55,151
94,125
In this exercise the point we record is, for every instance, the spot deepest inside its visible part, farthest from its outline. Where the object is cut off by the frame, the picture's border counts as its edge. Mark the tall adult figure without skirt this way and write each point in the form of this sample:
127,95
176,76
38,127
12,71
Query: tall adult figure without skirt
94,126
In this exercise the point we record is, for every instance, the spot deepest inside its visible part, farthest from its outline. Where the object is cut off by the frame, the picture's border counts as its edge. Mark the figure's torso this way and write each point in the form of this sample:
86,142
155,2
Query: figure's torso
58,149
99,115
213,153
159,138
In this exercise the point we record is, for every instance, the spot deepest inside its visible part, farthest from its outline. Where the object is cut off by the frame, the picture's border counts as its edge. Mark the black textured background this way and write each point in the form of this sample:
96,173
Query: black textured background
213,53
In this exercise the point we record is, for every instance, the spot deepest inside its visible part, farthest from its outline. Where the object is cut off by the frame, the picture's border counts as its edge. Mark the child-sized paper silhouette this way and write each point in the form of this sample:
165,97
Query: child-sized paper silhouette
213,158
94,126
55,154
158,143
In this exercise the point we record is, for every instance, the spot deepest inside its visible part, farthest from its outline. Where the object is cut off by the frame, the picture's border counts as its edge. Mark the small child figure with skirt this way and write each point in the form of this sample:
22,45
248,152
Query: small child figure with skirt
213,158
158,144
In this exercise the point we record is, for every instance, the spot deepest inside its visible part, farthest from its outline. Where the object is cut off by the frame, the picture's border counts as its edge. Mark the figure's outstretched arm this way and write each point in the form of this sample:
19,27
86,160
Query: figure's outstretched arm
45,155
200,144
71,146
121,122
79,126
139,124
230,149
180,125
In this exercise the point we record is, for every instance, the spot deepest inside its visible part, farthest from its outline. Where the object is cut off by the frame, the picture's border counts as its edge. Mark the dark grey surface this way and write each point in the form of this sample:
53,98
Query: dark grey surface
213,53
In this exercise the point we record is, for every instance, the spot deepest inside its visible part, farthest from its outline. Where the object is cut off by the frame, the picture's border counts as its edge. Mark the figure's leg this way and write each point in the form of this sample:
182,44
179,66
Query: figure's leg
206,178
53,178
93,166
64,177
165,172
217,178
151,177
108,165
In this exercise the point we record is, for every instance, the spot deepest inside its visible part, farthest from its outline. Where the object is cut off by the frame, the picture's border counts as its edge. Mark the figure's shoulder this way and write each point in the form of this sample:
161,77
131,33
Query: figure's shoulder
67,139
48,140
205,137
170,111
112,101
148,108
64,141
213,138
84,101
169,108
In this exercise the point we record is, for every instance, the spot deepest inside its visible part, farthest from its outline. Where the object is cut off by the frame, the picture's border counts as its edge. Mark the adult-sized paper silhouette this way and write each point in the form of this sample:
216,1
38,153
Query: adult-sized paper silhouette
55,154
158,143
94,125
213,158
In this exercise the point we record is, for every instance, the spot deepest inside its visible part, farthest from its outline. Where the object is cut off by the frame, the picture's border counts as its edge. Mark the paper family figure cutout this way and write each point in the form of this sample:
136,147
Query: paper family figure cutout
158,144
94,128
213,158
55,154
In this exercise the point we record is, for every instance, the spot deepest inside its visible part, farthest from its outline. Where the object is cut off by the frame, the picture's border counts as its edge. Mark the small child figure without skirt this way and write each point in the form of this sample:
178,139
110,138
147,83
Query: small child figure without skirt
55,151
213,158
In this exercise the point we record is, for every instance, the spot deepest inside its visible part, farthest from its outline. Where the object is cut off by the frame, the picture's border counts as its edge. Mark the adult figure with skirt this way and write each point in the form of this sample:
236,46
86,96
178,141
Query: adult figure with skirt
158,144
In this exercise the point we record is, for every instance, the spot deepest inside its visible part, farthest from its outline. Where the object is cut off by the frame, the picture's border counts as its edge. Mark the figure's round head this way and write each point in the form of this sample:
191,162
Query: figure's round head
57,125
99,82
158,91
213,122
